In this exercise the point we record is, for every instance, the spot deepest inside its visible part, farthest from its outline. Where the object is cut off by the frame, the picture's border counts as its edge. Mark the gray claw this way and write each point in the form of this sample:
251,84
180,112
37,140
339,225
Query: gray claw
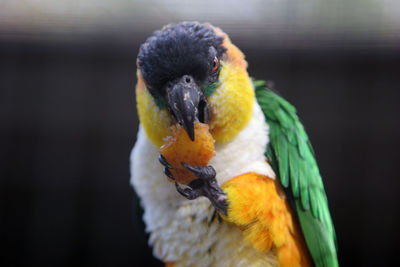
194,169
187,192
163,161
204,173
168,173
166,165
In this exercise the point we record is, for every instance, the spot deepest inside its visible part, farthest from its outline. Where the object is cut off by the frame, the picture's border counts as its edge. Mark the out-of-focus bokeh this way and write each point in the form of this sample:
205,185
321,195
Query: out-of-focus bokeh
68,117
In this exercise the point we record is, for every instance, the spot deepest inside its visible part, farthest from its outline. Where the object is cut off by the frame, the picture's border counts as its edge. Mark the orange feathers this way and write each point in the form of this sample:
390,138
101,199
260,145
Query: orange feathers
258,206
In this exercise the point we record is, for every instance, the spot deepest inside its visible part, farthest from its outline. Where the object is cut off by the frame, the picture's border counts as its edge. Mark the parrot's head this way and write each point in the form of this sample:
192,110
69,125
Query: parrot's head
191,72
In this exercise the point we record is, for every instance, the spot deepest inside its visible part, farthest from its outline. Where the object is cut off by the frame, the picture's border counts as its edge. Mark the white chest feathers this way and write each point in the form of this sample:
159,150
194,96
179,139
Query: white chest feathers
188,231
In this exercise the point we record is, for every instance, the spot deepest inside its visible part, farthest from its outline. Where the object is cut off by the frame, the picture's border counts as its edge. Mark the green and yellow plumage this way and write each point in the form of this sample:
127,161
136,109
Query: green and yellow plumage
291,156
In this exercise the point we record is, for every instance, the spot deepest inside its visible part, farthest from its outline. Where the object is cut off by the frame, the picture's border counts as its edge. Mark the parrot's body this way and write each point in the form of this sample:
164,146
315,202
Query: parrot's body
264,216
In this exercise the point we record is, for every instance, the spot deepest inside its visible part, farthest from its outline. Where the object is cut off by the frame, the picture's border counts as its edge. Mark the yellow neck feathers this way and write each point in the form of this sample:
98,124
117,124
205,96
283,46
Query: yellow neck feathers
231,104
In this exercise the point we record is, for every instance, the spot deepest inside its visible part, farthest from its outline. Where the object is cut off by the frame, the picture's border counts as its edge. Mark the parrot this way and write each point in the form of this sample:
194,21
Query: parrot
260,200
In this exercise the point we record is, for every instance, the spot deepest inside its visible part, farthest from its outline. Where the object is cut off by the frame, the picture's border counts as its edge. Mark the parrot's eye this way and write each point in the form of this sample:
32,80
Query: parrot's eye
215,64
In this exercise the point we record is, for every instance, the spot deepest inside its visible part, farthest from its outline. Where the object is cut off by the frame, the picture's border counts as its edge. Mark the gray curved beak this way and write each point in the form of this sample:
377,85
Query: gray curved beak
187,103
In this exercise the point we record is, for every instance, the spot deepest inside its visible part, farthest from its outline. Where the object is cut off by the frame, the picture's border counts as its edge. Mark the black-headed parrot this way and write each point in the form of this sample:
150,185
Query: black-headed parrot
224,169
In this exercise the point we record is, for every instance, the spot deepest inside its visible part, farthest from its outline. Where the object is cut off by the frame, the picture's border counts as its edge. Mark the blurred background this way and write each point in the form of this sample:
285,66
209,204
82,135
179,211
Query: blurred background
68,117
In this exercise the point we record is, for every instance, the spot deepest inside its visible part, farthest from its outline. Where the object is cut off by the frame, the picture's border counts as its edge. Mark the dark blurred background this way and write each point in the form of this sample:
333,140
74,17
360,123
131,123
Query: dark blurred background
68,118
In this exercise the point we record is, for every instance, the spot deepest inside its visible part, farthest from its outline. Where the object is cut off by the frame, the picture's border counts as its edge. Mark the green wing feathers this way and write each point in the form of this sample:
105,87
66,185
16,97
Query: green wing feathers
291,156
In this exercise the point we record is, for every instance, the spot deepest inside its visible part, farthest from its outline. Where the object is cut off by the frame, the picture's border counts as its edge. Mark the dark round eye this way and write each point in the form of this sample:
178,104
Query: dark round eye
215,64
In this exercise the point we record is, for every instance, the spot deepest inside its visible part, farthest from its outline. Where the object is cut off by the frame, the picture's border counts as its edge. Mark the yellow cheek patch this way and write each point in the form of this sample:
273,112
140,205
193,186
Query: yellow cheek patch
156,122
232,103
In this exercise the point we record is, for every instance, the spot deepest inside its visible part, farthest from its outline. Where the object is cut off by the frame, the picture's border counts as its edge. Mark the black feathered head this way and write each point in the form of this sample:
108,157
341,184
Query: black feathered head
188,48
175,63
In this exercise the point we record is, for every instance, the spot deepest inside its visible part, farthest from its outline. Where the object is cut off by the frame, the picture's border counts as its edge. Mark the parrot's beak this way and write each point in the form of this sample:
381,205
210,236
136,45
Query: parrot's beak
187,103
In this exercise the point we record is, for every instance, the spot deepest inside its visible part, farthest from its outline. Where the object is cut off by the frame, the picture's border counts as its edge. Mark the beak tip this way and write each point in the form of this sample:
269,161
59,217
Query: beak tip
190,133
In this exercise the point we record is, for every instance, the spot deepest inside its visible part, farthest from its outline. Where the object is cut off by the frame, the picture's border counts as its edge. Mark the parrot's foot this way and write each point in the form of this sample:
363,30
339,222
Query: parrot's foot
166,165
205,185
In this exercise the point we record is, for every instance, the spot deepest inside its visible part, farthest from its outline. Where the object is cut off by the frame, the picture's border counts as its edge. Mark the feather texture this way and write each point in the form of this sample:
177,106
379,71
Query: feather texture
292,158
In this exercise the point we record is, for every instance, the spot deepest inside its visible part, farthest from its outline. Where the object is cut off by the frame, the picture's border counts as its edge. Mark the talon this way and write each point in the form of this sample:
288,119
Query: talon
168,173
205,173
195,169
164,162
206,185
187,192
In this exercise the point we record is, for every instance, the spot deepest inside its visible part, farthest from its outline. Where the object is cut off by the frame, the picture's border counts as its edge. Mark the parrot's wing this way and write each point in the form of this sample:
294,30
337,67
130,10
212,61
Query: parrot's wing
292,158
